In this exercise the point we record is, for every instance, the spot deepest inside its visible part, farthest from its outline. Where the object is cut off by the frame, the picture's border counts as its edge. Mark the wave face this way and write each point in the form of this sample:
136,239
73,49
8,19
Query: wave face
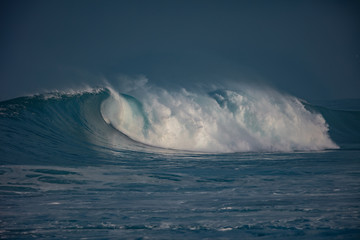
152,119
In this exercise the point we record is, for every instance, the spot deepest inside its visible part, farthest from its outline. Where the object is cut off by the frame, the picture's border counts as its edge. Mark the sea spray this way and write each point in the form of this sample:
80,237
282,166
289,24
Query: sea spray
250,119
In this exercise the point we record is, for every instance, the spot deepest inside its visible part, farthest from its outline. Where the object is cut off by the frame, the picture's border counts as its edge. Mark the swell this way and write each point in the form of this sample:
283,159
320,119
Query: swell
92,124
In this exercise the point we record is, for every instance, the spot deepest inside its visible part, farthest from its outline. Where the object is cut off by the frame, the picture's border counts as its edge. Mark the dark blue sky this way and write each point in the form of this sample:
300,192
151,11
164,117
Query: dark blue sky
310,49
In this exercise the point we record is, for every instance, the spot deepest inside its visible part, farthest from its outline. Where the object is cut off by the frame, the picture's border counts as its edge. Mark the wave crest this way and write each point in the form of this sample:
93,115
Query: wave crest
220,121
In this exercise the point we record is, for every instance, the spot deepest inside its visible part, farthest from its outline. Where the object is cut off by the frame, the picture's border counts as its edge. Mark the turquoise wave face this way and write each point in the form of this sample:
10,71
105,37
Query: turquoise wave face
51,128
101,121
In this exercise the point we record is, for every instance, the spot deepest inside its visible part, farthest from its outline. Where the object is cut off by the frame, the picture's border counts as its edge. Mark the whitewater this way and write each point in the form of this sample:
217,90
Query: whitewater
149,162
219,121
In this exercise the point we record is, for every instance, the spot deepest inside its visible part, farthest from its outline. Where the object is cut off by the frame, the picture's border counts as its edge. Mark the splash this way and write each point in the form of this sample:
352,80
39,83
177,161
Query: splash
250,119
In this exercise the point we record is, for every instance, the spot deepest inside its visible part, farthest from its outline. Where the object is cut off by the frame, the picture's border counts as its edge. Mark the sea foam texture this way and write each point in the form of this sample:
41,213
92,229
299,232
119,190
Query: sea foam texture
252,119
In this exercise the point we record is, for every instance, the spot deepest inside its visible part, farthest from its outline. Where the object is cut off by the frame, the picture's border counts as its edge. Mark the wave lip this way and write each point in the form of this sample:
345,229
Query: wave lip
220,121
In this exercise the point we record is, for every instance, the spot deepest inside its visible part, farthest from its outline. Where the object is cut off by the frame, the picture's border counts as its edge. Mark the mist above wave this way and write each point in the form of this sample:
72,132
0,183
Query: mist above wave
222,120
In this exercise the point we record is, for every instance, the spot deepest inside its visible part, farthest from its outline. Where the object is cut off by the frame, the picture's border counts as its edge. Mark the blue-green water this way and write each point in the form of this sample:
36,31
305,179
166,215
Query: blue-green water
68,171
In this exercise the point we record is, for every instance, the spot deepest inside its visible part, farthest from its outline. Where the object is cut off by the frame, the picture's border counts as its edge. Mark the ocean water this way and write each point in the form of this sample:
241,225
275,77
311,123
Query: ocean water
159,164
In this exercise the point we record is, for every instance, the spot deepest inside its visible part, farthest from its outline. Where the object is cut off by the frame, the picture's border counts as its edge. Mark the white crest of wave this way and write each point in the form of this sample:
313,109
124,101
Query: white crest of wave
222,121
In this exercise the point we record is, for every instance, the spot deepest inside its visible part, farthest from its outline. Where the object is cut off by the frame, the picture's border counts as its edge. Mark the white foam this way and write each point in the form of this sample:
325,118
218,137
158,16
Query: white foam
252,119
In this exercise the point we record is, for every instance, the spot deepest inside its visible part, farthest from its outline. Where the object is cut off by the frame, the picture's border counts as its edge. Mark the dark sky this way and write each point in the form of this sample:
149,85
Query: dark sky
310,49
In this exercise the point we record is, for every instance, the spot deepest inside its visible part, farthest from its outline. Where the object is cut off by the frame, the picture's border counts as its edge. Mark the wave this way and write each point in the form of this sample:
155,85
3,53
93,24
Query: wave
150,119
218,121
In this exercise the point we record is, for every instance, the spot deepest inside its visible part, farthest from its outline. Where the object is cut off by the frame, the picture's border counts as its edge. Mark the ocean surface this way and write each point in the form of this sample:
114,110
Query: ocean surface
152,163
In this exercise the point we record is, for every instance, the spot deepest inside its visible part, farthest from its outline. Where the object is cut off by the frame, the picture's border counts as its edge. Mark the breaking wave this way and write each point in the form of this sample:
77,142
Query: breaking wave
218,121
153,119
